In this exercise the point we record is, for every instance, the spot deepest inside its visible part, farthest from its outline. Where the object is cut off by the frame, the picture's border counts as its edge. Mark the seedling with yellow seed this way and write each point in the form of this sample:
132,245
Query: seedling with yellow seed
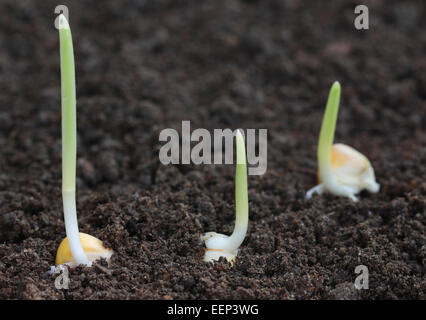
77,248
342,170
220,245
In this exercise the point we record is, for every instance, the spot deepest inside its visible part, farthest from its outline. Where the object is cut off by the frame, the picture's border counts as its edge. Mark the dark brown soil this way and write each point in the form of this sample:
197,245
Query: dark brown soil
142,67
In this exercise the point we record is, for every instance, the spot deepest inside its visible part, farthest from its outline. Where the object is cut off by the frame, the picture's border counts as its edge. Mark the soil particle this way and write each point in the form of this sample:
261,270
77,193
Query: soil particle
345,291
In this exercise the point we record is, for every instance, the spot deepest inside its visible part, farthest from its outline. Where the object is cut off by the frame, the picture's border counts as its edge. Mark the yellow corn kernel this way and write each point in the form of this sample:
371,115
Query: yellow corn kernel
352,168
92,246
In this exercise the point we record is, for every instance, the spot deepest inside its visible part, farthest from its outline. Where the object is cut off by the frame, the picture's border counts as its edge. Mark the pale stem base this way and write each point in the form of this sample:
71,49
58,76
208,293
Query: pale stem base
71,227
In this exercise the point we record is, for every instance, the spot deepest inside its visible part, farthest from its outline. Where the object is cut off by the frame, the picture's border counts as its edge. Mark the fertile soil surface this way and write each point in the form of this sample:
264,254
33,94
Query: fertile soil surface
142,67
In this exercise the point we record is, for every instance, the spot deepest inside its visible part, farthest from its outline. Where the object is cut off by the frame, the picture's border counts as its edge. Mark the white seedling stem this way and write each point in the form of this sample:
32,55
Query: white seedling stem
69,133
227,246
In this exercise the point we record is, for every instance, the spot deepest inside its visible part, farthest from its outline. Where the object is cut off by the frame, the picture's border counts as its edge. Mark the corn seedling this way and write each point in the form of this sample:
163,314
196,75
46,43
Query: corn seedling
342,170
77,248
219,245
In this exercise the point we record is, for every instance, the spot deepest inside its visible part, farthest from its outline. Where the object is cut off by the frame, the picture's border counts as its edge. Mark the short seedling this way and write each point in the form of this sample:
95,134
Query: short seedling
343,170
77,248
219,245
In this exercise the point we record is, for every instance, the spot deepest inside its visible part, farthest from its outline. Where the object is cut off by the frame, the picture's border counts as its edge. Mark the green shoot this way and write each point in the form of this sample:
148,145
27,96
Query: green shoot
342,170
69,149
219,245
328,128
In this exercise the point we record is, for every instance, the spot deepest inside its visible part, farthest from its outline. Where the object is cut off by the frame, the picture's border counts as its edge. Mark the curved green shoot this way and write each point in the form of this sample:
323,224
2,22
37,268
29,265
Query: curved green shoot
352,174
328,127
219,245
